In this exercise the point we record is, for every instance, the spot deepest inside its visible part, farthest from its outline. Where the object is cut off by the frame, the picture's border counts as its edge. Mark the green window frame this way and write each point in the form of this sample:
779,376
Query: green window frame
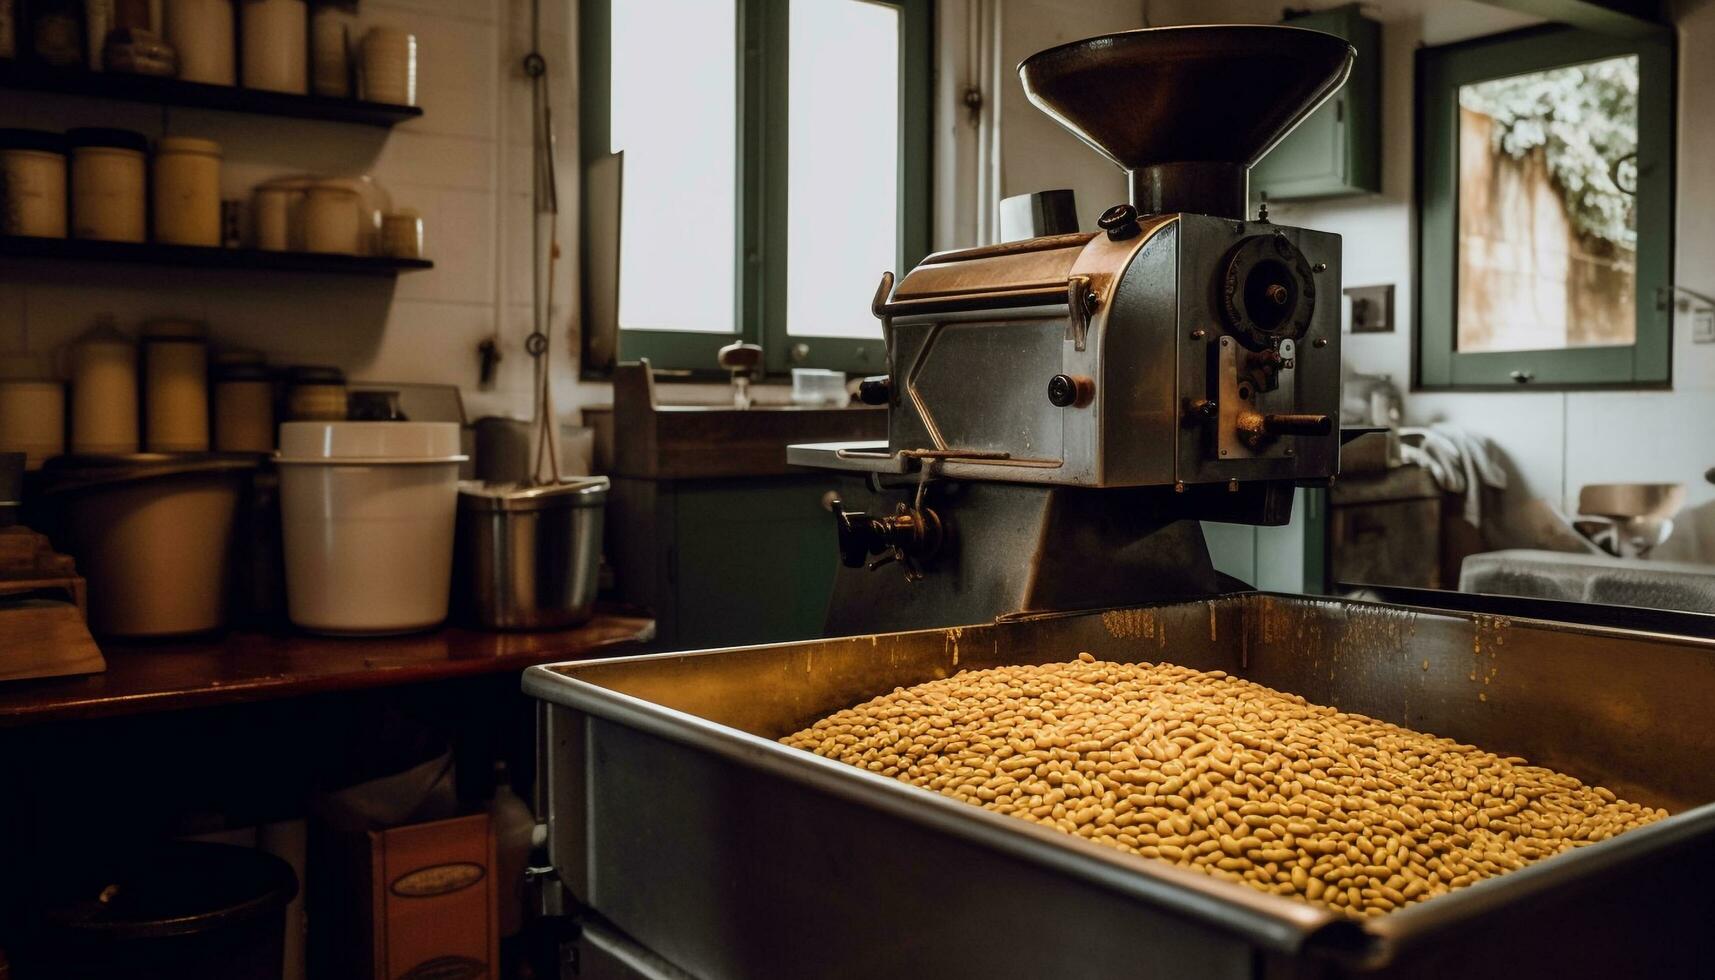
761,266
1646,363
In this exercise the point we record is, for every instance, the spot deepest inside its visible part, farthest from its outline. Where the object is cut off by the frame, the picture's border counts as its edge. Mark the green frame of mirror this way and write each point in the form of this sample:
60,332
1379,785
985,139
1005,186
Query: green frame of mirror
1438,364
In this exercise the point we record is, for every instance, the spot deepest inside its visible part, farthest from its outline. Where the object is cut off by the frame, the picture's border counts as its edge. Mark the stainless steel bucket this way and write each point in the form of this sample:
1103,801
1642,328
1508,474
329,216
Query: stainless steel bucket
528,556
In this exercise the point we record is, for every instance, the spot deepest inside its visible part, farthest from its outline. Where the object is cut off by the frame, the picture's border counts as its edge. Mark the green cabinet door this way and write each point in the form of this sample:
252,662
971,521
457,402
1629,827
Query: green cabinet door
752,560
1337,150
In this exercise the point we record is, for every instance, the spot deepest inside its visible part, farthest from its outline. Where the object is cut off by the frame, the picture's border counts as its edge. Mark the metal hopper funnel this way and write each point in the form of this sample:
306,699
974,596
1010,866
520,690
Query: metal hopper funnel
1187,110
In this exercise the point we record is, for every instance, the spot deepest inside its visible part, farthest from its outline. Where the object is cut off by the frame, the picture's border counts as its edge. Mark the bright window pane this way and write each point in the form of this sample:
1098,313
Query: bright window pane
1548,233
675,116
843,164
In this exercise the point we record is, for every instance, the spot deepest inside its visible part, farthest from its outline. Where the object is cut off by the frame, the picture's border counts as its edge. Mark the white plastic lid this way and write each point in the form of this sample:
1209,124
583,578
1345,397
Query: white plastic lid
424,441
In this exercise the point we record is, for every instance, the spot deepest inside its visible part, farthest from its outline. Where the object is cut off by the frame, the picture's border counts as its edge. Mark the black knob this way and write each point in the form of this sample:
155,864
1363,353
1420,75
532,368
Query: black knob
876,391
1119,221
1063,391
856,535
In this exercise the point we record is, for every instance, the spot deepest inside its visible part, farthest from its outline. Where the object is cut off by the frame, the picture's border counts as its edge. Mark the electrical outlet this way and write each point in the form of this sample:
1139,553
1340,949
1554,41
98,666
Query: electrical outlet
1703,326
1372,308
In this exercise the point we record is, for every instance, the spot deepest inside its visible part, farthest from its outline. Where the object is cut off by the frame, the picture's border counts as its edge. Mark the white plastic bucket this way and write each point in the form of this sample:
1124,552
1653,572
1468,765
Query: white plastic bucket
367,511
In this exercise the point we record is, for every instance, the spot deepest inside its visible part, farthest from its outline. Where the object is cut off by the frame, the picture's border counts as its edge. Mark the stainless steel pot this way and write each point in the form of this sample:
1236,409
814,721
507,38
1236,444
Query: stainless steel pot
528,556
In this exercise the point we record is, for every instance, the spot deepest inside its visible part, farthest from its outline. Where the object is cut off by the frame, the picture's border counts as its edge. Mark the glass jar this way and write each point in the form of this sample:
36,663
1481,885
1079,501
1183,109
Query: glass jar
390,66
175,387
187,191
32,183
108,199
402,235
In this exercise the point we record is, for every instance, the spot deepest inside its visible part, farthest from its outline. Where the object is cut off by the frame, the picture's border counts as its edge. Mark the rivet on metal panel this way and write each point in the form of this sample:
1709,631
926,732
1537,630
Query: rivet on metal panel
1319,267
1319,342
1289,451
1199,334
1223,452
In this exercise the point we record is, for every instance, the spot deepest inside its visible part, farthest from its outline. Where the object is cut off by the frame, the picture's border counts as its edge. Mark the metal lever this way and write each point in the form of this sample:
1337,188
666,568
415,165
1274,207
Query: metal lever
1292,424
1256,428
1081,303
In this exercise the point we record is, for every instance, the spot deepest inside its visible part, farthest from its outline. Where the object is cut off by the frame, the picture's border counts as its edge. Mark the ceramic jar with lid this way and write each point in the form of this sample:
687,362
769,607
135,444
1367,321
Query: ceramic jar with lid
333,32
109,200
243,408
175,386
333,218
315,394
275,45
187,191
390,66
32,409
201,31
32,183
103,368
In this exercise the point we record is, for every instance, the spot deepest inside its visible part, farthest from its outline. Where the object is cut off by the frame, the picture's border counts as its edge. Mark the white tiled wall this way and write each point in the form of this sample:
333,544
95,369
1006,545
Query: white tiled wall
464,165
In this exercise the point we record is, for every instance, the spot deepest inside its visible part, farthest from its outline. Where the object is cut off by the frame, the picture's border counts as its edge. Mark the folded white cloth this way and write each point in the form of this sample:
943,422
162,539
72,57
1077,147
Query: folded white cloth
1459,460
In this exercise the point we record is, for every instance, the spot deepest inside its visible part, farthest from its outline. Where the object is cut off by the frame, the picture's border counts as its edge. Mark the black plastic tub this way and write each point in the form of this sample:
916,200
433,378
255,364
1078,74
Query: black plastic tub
183,910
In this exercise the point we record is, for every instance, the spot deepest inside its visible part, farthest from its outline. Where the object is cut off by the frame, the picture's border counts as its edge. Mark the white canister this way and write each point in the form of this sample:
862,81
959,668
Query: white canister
32,183
175,387
367,512
201,32
32,419
390,66
276,45
103,369
333,214
333,32
109,200
187,191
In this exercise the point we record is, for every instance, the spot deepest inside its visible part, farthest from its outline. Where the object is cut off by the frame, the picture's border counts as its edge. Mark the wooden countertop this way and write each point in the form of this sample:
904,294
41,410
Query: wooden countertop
239,667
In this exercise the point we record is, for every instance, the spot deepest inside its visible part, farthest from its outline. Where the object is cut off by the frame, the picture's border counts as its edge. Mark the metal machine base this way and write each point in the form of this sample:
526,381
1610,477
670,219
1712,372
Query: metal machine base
1011,549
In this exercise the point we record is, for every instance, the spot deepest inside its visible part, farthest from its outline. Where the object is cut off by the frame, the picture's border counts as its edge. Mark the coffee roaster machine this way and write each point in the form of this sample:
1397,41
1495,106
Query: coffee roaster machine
1062,413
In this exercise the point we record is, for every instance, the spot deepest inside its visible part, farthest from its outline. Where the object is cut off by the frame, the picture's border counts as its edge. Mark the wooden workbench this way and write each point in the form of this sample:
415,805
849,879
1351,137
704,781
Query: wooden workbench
242,667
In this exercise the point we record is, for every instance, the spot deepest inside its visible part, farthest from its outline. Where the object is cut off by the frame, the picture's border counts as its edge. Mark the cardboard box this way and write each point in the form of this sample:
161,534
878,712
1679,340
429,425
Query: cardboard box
405,903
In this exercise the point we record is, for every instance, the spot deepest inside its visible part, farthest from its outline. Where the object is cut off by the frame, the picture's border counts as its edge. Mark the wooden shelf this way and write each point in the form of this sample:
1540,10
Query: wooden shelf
203,257
236,668
196,95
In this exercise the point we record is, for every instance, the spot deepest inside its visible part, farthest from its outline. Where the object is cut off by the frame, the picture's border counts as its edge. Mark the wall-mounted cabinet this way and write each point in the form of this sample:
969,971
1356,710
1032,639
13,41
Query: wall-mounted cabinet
1337,150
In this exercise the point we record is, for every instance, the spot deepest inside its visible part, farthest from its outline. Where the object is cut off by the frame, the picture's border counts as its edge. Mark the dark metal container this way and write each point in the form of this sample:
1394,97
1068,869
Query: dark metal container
677,820
528,556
